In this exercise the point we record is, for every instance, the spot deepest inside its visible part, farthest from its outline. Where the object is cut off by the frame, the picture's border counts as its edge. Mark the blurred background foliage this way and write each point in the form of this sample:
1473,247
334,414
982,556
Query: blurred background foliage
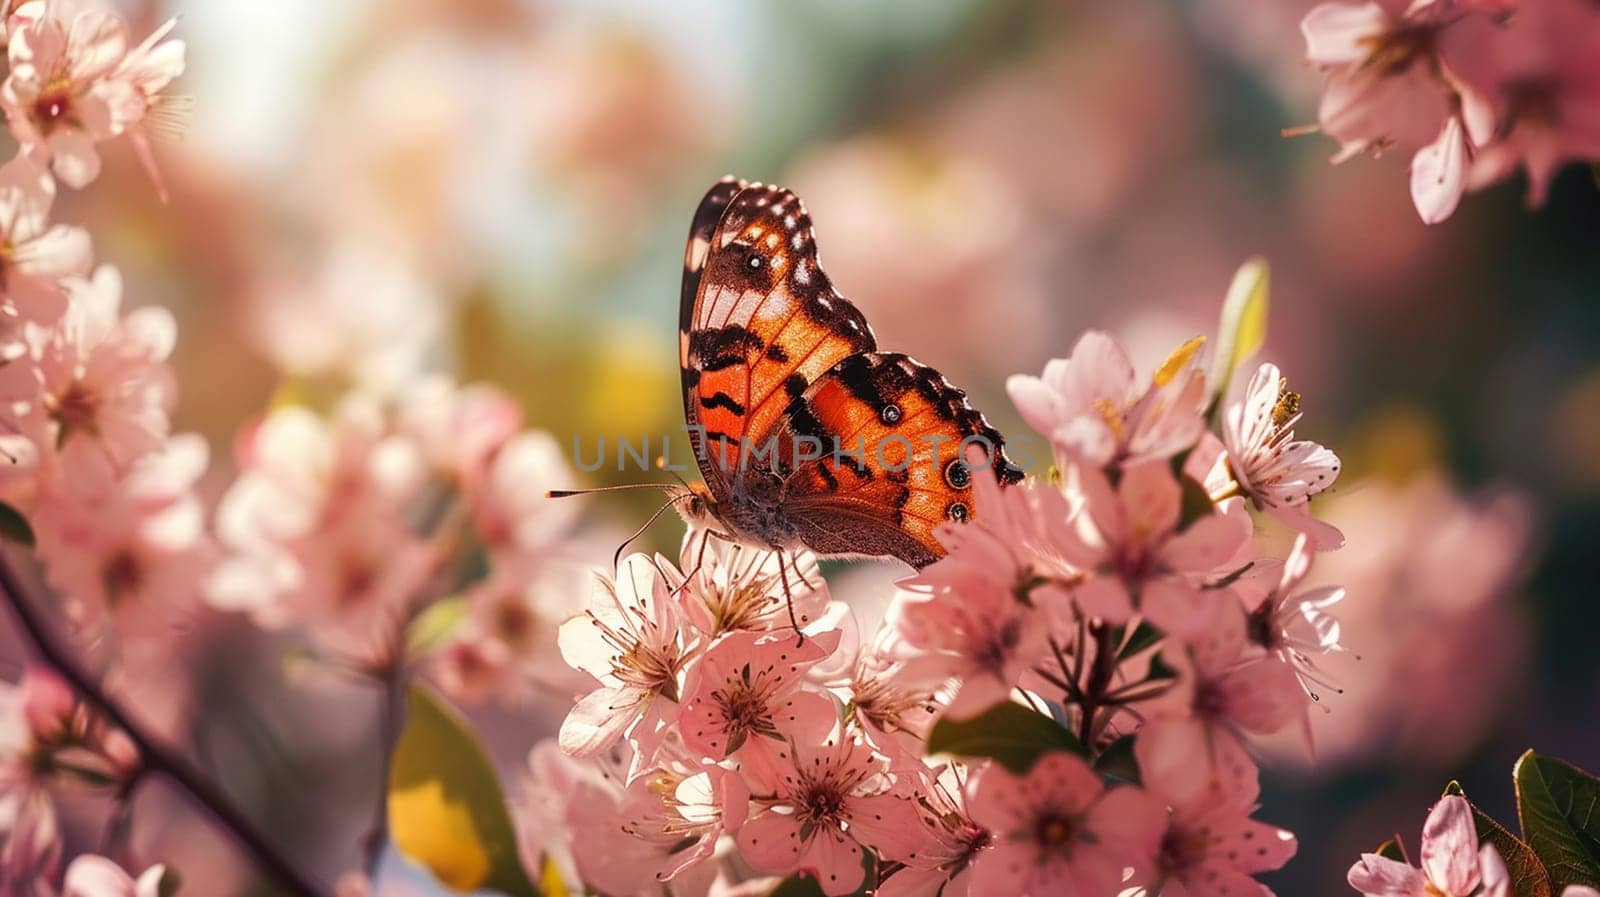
500,188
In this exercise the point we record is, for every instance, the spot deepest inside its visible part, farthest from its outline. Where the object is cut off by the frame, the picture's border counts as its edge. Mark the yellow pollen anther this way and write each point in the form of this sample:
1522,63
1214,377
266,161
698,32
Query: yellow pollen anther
1111,414
1285,409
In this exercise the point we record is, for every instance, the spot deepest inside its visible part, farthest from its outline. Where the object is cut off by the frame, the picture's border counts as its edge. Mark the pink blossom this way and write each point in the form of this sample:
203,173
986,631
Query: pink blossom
1530,90
314,525
510,510
1387,86
30,841
1383,88
1226,691
966,630
942,865
892,702
1452,864
981,616
1212,847
506,646
106,387
1058,830
1128,538
96,876
75,83
633,642
1295,627
731,588
827,801
34,254
1093,409
667,826
133,549
46,734
745,697
1580,891
458,430
1279,473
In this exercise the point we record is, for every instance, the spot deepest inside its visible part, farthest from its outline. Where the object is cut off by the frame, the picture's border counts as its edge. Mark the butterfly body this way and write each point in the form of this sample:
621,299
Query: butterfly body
806,435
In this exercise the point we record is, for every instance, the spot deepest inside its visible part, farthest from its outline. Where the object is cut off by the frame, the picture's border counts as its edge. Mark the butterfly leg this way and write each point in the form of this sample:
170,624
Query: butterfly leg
794,561
700,558
788,596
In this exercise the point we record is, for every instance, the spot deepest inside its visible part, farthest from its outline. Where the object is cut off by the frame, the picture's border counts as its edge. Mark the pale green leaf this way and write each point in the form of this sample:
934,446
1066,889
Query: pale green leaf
1244,323
446,810
1007,733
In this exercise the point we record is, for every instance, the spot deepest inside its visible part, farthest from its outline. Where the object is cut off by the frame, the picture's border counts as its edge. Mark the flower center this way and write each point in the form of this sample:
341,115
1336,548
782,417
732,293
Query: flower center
1112,415
75,408
514,622
122,574
1394,51
1533,102
645,668
54,105
744,710
992,653
1182,850
1261,630
1054,833
821,803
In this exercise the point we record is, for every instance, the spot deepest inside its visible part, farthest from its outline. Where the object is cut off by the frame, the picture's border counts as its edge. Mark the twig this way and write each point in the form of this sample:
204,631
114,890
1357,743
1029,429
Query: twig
156,755
391,719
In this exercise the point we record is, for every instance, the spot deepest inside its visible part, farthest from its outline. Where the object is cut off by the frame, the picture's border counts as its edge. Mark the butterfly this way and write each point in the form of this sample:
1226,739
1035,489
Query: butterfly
805,434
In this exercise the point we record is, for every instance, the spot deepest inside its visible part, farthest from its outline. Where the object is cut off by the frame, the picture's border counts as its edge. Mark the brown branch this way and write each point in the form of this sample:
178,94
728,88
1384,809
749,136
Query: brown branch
155,754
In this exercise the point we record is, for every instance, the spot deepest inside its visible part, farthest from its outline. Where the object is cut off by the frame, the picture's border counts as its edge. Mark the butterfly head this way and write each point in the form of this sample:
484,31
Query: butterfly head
697,507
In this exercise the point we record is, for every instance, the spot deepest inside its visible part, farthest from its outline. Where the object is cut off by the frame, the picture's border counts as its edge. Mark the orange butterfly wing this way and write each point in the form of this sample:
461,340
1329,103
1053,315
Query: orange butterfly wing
891,432
759,321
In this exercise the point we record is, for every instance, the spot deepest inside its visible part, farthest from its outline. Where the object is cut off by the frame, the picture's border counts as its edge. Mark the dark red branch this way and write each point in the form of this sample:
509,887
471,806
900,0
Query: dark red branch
155,754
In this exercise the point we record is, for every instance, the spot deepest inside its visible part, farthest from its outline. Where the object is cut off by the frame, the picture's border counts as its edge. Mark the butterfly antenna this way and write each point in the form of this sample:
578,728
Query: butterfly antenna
616,559
623,487
661,464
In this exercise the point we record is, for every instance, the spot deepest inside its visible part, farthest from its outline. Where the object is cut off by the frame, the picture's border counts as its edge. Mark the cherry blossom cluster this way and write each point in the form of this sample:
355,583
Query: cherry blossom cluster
89,466
355,524
1471,89
1064,704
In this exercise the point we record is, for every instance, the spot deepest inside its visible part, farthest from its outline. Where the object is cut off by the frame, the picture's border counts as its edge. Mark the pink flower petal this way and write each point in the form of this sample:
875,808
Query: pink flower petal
1450,846
96,876
770,841
598,721
1337,32
1377,876
835,861
1438,174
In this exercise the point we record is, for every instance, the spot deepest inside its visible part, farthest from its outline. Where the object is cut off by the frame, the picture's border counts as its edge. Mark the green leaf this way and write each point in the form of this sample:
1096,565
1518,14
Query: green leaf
446,809
1196,502
1244,323
431,627
1160,670
15,527
1143,636
1008,733
797,886
1118,760
1527,873
1559,807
